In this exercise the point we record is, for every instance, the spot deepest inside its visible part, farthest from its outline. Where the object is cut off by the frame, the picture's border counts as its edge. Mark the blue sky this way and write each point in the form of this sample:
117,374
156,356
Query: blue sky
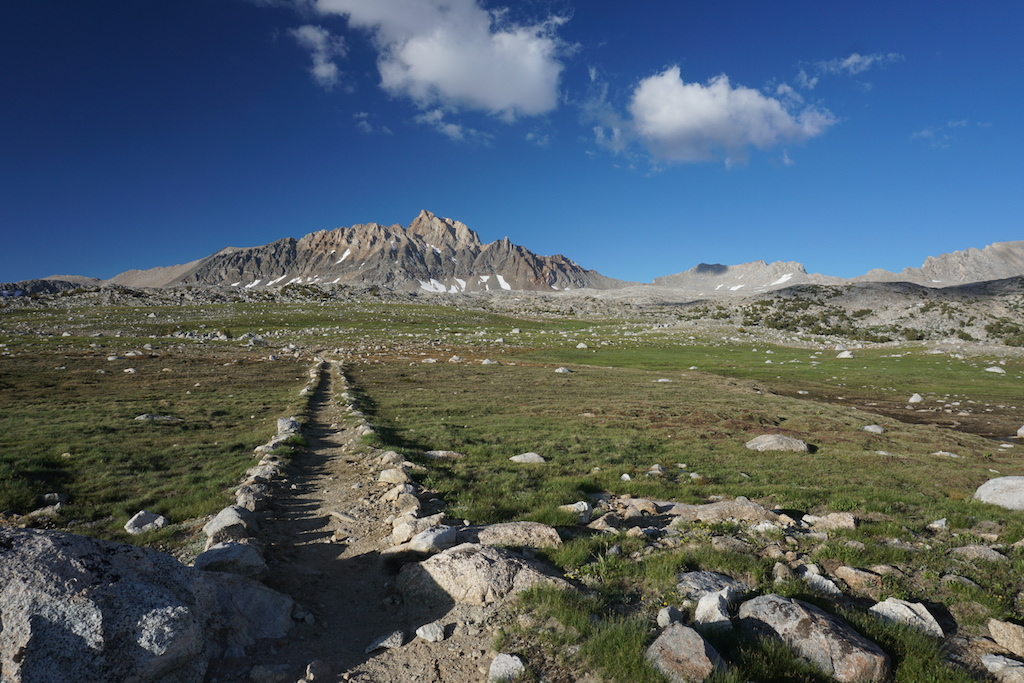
638,138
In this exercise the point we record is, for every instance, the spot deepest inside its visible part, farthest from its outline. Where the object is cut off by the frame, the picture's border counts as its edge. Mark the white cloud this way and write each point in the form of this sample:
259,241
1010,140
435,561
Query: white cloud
942,136
435,118
323,48
690,122
458,55
857,63
806,81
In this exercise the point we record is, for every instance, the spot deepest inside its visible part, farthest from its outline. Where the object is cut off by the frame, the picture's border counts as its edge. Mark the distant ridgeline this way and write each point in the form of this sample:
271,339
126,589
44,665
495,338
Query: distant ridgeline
443,255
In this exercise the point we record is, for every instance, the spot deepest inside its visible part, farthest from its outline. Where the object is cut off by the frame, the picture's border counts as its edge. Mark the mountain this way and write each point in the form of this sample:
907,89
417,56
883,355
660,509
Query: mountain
995,262
433,254
443,255
747,278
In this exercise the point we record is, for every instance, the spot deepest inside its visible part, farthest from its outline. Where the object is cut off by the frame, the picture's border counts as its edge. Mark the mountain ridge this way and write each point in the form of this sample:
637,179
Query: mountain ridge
435,254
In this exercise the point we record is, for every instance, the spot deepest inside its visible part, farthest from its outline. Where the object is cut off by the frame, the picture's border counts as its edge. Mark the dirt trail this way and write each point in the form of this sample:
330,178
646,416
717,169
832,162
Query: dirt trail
323,535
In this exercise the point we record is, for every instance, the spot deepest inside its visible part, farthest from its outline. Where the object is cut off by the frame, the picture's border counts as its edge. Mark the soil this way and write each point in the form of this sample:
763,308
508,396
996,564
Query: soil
324,535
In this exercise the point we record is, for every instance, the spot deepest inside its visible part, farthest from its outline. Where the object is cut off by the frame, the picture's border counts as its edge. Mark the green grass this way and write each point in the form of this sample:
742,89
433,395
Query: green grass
68,426
608,418
599,423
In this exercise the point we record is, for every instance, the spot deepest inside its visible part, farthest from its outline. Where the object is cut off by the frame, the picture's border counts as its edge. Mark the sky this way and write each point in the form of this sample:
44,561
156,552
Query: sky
637,138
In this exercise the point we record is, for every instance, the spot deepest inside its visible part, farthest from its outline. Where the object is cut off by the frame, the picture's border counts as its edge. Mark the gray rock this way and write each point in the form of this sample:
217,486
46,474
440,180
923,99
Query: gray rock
80,609
682,655
858,579
916,398
387,642
435,539
1004,669
505,668
816,582
53,498
695,585
1020,431
528,458
144,521
288,425
233,523
253,496
712,613
582,508
406,530
146,417
874,429
1008,636
826,641
517,534
741,510
471,574
978,552
432,632
1006,492
318,670
776,442
668,615
563,371
263,473
912,614
395,475
235,558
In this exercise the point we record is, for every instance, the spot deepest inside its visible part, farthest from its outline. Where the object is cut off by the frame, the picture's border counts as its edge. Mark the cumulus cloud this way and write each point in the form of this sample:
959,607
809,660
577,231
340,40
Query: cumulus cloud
323,48
457,55
691,122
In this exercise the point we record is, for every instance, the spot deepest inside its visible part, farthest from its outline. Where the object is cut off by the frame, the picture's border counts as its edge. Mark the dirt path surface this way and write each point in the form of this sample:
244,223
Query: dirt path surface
323,536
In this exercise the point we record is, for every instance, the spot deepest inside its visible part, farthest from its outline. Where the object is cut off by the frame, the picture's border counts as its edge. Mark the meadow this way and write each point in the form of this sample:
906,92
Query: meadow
644,389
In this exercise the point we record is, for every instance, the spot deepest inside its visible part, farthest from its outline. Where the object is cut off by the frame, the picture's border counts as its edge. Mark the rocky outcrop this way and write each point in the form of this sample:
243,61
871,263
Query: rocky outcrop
74,608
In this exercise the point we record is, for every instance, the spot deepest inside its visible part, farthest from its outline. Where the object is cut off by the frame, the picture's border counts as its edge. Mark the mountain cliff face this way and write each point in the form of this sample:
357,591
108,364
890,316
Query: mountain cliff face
433,254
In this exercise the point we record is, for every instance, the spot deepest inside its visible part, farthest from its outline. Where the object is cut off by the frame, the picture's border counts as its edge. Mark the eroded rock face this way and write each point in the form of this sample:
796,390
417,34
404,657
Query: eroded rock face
824,640
471,574
74,608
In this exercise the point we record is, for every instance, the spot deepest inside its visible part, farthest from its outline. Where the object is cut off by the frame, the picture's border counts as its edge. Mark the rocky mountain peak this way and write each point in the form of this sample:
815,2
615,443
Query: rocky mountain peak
443,232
